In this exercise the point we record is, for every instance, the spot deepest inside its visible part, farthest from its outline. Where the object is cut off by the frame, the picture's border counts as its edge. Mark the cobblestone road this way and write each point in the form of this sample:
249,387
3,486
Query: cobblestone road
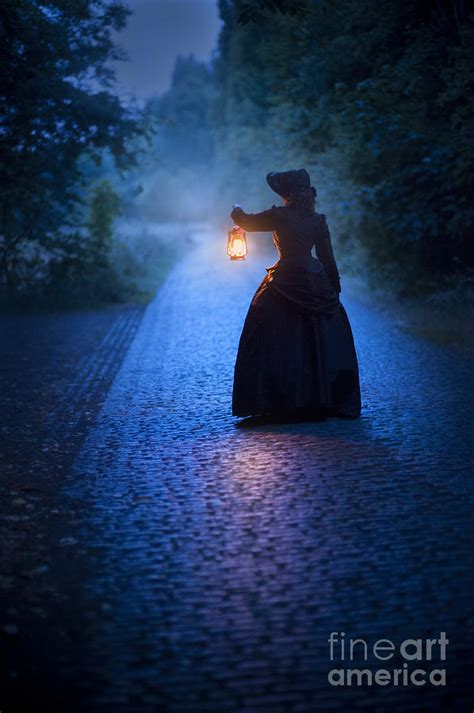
223,557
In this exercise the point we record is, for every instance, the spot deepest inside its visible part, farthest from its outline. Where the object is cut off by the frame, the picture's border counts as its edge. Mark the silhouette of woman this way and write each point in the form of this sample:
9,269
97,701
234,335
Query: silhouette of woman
296,353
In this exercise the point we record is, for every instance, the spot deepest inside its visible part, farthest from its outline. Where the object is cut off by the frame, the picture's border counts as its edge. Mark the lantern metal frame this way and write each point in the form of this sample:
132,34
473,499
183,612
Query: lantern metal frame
236,233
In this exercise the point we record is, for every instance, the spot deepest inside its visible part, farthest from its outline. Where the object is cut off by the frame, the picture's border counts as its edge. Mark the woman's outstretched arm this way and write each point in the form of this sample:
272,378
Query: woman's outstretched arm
254,222
326,255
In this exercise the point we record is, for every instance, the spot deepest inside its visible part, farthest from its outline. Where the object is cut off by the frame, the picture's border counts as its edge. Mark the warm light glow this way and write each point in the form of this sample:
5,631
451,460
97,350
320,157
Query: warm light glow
237,244
238,247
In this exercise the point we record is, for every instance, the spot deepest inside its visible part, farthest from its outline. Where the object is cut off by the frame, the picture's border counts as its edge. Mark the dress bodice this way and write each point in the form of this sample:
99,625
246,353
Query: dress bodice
294,235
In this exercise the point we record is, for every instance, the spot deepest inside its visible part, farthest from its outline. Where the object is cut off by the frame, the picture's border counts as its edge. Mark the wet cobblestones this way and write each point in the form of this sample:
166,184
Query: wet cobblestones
56,369
230,554
222,557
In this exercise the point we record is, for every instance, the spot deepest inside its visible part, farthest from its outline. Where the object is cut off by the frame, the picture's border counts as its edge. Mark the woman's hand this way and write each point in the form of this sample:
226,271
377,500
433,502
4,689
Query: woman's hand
235,209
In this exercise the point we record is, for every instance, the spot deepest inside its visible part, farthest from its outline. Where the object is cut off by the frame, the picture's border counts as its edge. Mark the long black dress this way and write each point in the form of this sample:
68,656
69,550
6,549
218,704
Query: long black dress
296,351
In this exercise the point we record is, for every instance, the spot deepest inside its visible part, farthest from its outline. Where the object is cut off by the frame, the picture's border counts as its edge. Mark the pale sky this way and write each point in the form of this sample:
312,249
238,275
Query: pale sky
159,31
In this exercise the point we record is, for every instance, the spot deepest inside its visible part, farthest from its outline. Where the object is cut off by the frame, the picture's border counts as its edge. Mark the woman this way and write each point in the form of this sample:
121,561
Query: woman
296,354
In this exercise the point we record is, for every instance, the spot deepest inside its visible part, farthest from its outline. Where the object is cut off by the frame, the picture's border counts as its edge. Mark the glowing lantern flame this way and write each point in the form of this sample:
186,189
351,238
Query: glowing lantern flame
237,243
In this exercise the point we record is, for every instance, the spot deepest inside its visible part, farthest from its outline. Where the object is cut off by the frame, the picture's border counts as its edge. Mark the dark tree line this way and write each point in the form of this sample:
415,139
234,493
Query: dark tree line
374,97
377,97
177,170
57,106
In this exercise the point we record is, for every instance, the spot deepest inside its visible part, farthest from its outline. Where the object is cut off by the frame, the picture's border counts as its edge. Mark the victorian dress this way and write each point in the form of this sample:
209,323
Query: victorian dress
296,352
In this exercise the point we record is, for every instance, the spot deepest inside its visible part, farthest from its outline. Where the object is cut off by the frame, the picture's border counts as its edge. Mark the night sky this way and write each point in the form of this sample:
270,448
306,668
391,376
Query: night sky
159,31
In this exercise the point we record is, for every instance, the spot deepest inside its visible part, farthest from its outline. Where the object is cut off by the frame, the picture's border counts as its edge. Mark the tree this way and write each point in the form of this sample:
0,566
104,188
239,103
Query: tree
177,172
104,208
55,88
376,99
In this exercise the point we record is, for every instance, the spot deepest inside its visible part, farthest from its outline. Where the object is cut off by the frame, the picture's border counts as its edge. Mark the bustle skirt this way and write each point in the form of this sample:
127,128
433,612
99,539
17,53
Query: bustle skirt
296,352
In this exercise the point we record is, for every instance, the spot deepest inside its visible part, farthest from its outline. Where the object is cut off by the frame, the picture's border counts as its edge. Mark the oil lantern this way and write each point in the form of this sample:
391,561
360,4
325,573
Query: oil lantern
237,243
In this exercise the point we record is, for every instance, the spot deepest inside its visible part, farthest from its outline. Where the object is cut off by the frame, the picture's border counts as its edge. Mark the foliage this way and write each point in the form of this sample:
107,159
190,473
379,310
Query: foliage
255,11
105,207
57,103
376,99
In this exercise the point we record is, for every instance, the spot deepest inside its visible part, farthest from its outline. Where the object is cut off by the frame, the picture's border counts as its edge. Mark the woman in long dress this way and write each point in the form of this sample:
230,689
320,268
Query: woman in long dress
296,353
